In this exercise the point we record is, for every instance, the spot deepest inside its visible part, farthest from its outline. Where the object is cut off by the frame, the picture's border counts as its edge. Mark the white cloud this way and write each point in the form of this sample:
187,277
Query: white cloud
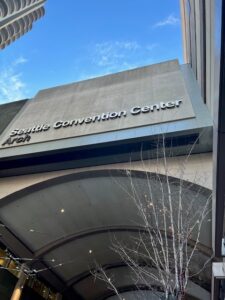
115,56
128,45
12,86
170,20
150,47
20,60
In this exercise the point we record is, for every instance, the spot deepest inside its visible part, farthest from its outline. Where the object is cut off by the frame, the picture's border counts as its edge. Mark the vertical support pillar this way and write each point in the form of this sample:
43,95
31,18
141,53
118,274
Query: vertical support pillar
58,296
16,295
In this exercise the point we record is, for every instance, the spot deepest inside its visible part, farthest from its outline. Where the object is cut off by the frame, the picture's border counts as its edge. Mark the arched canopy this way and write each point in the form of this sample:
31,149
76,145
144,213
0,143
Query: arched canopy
66,224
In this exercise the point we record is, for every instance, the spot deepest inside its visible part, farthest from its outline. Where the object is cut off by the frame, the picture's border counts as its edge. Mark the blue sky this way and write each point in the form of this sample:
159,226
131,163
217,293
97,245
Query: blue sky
80,39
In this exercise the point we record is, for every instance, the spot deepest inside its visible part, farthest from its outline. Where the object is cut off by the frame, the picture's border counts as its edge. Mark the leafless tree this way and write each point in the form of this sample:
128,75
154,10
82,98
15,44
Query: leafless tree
172,217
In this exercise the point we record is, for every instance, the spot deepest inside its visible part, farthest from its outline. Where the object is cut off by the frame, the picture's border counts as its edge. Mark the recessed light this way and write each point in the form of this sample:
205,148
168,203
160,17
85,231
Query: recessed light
90,251
62,210
31,230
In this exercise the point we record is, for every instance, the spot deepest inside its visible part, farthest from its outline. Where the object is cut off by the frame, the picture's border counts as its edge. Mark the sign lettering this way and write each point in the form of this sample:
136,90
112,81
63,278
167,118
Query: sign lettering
23,135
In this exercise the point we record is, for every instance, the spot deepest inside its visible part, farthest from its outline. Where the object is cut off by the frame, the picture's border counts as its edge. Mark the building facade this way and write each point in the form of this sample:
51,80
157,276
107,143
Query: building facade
65,160
203,37
17,18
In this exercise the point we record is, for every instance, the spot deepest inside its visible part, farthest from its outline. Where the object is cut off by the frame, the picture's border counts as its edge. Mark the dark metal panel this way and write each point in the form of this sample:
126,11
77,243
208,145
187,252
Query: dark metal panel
219,143
73,237
105,153
219,138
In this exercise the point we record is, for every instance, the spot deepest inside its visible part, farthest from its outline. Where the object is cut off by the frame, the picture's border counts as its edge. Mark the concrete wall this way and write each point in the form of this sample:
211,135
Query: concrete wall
201,44
115,93
197,169
8,111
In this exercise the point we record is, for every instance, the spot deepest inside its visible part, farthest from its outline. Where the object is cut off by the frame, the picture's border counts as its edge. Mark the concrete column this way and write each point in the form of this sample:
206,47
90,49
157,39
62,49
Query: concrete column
58,297
16,295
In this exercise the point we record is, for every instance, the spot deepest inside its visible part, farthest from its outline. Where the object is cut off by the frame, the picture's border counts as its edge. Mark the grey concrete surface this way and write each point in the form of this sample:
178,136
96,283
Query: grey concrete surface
8,111
117,93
